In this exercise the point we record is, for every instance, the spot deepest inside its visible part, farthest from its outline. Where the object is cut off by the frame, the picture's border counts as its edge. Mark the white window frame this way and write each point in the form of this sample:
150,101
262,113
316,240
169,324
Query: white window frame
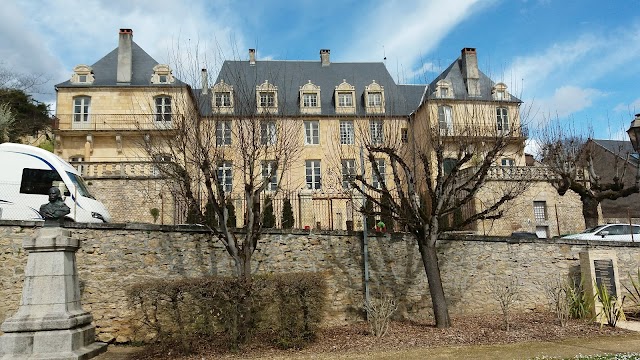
502,119
312,132
222,99
313,174
162,108
267,99
270,175
507,162
348,172
268,133
445,120
345,99
81,108
376,181
374,98
223,133
225,176
540,211
376,128
347,136
310,99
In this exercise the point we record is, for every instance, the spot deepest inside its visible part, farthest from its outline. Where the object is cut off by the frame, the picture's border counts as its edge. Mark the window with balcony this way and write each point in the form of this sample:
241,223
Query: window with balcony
348,173
378,181
502,120
346,132
223,133
312,172
377,132
81,106
270,175
163,109
311,132
445,120
268,133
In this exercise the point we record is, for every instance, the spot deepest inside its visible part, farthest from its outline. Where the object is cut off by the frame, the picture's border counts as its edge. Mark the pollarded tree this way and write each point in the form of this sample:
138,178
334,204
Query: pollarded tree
570,155
433,170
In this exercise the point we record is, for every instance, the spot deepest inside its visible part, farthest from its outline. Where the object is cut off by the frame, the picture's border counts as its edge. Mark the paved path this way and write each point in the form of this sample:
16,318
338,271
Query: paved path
529,350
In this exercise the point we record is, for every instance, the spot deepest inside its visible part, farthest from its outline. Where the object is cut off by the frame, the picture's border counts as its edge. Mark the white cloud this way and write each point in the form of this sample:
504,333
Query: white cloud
631,108
408,29
565,101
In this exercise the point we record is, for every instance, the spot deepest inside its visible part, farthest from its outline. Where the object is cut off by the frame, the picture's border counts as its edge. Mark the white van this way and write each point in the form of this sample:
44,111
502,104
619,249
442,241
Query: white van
26,175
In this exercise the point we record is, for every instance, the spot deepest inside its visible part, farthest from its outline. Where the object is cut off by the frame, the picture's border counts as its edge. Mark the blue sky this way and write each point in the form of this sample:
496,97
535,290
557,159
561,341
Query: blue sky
575,60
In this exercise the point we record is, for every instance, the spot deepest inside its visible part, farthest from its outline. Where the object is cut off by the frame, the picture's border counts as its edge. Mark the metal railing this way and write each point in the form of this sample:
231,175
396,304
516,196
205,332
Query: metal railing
116,122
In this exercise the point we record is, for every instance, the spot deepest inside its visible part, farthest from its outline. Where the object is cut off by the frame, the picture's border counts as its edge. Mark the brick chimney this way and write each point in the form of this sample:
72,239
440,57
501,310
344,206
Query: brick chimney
470,72
324,57
252,56
124,70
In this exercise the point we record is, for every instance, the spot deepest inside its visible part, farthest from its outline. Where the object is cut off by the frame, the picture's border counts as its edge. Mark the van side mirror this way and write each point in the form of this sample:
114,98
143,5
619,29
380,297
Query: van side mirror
67,193
603,233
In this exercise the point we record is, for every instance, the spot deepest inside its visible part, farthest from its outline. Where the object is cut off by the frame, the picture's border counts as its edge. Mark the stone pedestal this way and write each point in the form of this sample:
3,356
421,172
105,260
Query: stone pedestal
50,323
599,268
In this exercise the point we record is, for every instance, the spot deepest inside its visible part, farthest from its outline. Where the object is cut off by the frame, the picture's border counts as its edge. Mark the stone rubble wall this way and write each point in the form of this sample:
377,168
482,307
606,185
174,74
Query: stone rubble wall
114,256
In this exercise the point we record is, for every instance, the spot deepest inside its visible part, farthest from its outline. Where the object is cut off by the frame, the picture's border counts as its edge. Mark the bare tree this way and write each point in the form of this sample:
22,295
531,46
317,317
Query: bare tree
569,154
439,174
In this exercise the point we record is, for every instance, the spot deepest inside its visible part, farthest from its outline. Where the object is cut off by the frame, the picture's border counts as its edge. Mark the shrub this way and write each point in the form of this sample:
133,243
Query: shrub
379,311
231,210
386,213
287,214
155,213
268,218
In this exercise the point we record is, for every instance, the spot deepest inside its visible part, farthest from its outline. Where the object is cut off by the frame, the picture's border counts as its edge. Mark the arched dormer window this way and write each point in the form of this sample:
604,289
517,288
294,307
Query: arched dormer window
162,75
444,90
374,98
310,98
267,98
82,74
344,96
499,92
223,98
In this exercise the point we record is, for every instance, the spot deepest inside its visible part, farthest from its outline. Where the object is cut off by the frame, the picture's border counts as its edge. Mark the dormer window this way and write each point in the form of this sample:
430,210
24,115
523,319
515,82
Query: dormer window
443,90
82,74
499,92
344,95
310,99
267,98
162,75
223,98
374,98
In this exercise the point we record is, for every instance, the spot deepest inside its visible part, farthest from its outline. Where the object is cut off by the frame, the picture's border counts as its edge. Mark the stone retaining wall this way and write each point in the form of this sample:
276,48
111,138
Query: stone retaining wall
114,256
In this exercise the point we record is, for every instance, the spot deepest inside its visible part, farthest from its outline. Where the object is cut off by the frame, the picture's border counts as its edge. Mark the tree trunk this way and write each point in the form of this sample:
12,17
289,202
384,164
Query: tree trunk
438,300
590,211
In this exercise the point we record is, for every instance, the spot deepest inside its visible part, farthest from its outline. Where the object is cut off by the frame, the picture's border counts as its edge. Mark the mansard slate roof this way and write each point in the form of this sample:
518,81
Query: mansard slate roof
619,148
453,74
105,70
289,76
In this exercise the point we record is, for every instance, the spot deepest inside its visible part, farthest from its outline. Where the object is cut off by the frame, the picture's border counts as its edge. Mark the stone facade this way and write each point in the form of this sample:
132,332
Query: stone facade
113,257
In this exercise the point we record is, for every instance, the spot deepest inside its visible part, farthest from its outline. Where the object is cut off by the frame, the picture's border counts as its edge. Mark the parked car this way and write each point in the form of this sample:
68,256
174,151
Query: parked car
609,232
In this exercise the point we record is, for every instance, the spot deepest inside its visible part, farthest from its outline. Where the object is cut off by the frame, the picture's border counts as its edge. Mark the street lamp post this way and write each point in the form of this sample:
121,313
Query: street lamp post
634,133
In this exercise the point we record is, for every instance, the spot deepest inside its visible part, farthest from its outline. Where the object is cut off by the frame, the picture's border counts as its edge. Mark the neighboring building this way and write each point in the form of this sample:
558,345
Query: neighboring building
107,112
607,154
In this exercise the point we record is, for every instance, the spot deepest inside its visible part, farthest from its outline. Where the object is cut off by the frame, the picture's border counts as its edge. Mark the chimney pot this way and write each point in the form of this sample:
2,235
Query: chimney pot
325,57
252,56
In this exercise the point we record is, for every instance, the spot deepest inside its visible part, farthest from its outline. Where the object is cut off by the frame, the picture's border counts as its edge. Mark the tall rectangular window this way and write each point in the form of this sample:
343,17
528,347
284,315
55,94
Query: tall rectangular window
345,99
163,108
404,135
81,106
374,99
223,132
311,132
312,172
445,120
270,175
540,210
346,132
348,172
376,130
225,176
268,135
223,98
502,119
310,100
377,181
507,162
267,99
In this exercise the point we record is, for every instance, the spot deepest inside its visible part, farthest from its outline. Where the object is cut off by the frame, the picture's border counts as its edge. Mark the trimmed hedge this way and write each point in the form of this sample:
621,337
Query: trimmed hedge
286,307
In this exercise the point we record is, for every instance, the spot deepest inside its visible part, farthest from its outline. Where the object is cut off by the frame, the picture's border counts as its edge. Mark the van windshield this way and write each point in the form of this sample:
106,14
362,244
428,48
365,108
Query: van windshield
81,186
